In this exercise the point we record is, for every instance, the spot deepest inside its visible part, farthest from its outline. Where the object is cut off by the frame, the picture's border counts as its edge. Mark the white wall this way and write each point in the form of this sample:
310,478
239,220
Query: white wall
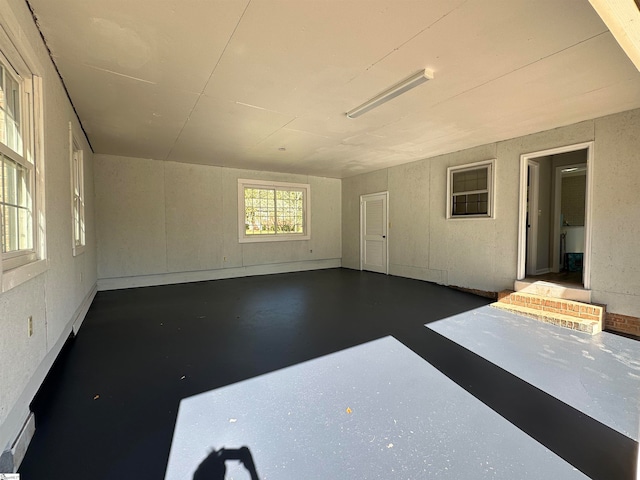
615,260
60,295
482,253
167,222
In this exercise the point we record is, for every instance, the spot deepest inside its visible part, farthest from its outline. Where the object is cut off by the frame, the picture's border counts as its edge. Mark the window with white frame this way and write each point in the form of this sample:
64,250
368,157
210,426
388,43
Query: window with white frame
77,194
17,168
470,190
272,211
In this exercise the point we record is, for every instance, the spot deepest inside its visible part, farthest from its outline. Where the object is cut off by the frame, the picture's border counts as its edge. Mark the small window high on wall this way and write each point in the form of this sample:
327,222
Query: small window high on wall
470,190
272,211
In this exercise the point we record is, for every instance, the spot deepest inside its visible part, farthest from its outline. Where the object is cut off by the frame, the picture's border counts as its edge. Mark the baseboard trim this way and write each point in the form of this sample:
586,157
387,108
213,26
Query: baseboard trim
19,447
418,273
204,275
12,428
83,309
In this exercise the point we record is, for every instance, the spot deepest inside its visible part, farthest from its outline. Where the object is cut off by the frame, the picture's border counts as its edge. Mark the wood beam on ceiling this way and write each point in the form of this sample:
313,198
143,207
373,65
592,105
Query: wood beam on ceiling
622,18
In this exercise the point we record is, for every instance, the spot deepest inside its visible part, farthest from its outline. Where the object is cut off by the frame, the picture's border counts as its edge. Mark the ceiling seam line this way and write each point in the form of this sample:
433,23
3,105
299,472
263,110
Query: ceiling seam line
408,40
414,36
224,50
208,80
275,131
112,72
522,67
183,127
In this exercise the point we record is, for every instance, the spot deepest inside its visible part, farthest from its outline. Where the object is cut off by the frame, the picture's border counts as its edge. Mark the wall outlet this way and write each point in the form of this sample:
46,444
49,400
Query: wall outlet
30,325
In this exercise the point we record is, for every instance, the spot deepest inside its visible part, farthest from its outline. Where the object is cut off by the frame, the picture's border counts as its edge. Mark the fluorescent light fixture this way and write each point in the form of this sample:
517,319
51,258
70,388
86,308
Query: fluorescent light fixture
398,89
574,169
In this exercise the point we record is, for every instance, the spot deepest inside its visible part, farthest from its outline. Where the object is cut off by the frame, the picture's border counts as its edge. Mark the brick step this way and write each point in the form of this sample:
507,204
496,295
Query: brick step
584,317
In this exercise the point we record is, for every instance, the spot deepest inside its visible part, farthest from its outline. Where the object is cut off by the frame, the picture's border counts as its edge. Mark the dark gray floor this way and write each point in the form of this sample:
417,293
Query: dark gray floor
108,409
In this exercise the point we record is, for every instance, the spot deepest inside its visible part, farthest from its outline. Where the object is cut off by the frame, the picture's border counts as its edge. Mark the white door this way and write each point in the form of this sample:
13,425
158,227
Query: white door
373,232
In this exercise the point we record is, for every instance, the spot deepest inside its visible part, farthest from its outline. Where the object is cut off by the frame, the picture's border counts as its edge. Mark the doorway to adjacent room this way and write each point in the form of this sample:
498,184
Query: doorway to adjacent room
554,235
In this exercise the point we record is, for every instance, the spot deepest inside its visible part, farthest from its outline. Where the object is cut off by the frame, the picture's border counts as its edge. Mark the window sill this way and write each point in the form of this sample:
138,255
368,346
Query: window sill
78,250
472,217
273,238
19,275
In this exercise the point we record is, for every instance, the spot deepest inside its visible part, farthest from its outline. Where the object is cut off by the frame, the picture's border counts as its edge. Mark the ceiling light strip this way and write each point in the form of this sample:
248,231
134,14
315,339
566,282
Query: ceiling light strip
399,88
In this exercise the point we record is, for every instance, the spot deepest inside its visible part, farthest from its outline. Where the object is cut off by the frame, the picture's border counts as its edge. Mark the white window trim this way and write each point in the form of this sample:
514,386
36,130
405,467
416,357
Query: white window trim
22,159
74,146
20,54
281,237
17,276
491,164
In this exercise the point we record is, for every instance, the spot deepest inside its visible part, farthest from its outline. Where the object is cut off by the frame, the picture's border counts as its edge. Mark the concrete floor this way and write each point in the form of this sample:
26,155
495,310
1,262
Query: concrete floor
109,408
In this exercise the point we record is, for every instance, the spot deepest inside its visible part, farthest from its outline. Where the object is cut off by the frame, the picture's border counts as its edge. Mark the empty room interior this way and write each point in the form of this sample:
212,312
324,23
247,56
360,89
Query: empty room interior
300,239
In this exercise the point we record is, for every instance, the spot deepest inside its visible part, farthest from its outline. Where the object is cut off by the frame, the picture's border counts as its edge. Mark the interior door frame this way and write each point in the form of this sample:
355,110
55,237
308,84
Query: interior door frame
533,177
522,223
362,199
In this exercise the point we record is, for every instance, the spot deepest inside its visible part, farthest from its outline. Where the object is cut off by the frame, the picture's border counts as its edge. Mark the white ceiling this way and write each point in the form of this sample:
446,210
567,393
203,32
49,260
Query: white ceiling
232,82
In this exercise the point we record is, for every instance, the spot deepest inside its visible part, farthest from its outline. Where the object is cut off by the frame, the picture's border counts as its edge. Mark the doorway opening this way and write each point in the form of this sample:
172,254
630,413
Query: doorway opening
554,238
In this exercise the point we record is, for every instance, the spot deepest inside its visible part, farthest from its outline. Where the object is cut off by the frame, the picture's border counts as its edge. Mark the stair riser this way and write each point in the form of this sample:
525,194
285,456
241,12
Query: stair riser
590,327
557,311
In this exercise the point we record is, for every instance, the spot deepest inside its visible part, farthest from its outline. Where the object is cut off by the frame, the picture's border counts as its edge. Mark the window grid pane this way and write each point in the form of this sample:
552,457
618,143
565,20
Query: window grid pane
9,229
3,107
16,204
25,226
470,181
10,129
77,179
260,211
273,211
289,208
13,99
80,237
2,97
472,204
470,192
76,218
